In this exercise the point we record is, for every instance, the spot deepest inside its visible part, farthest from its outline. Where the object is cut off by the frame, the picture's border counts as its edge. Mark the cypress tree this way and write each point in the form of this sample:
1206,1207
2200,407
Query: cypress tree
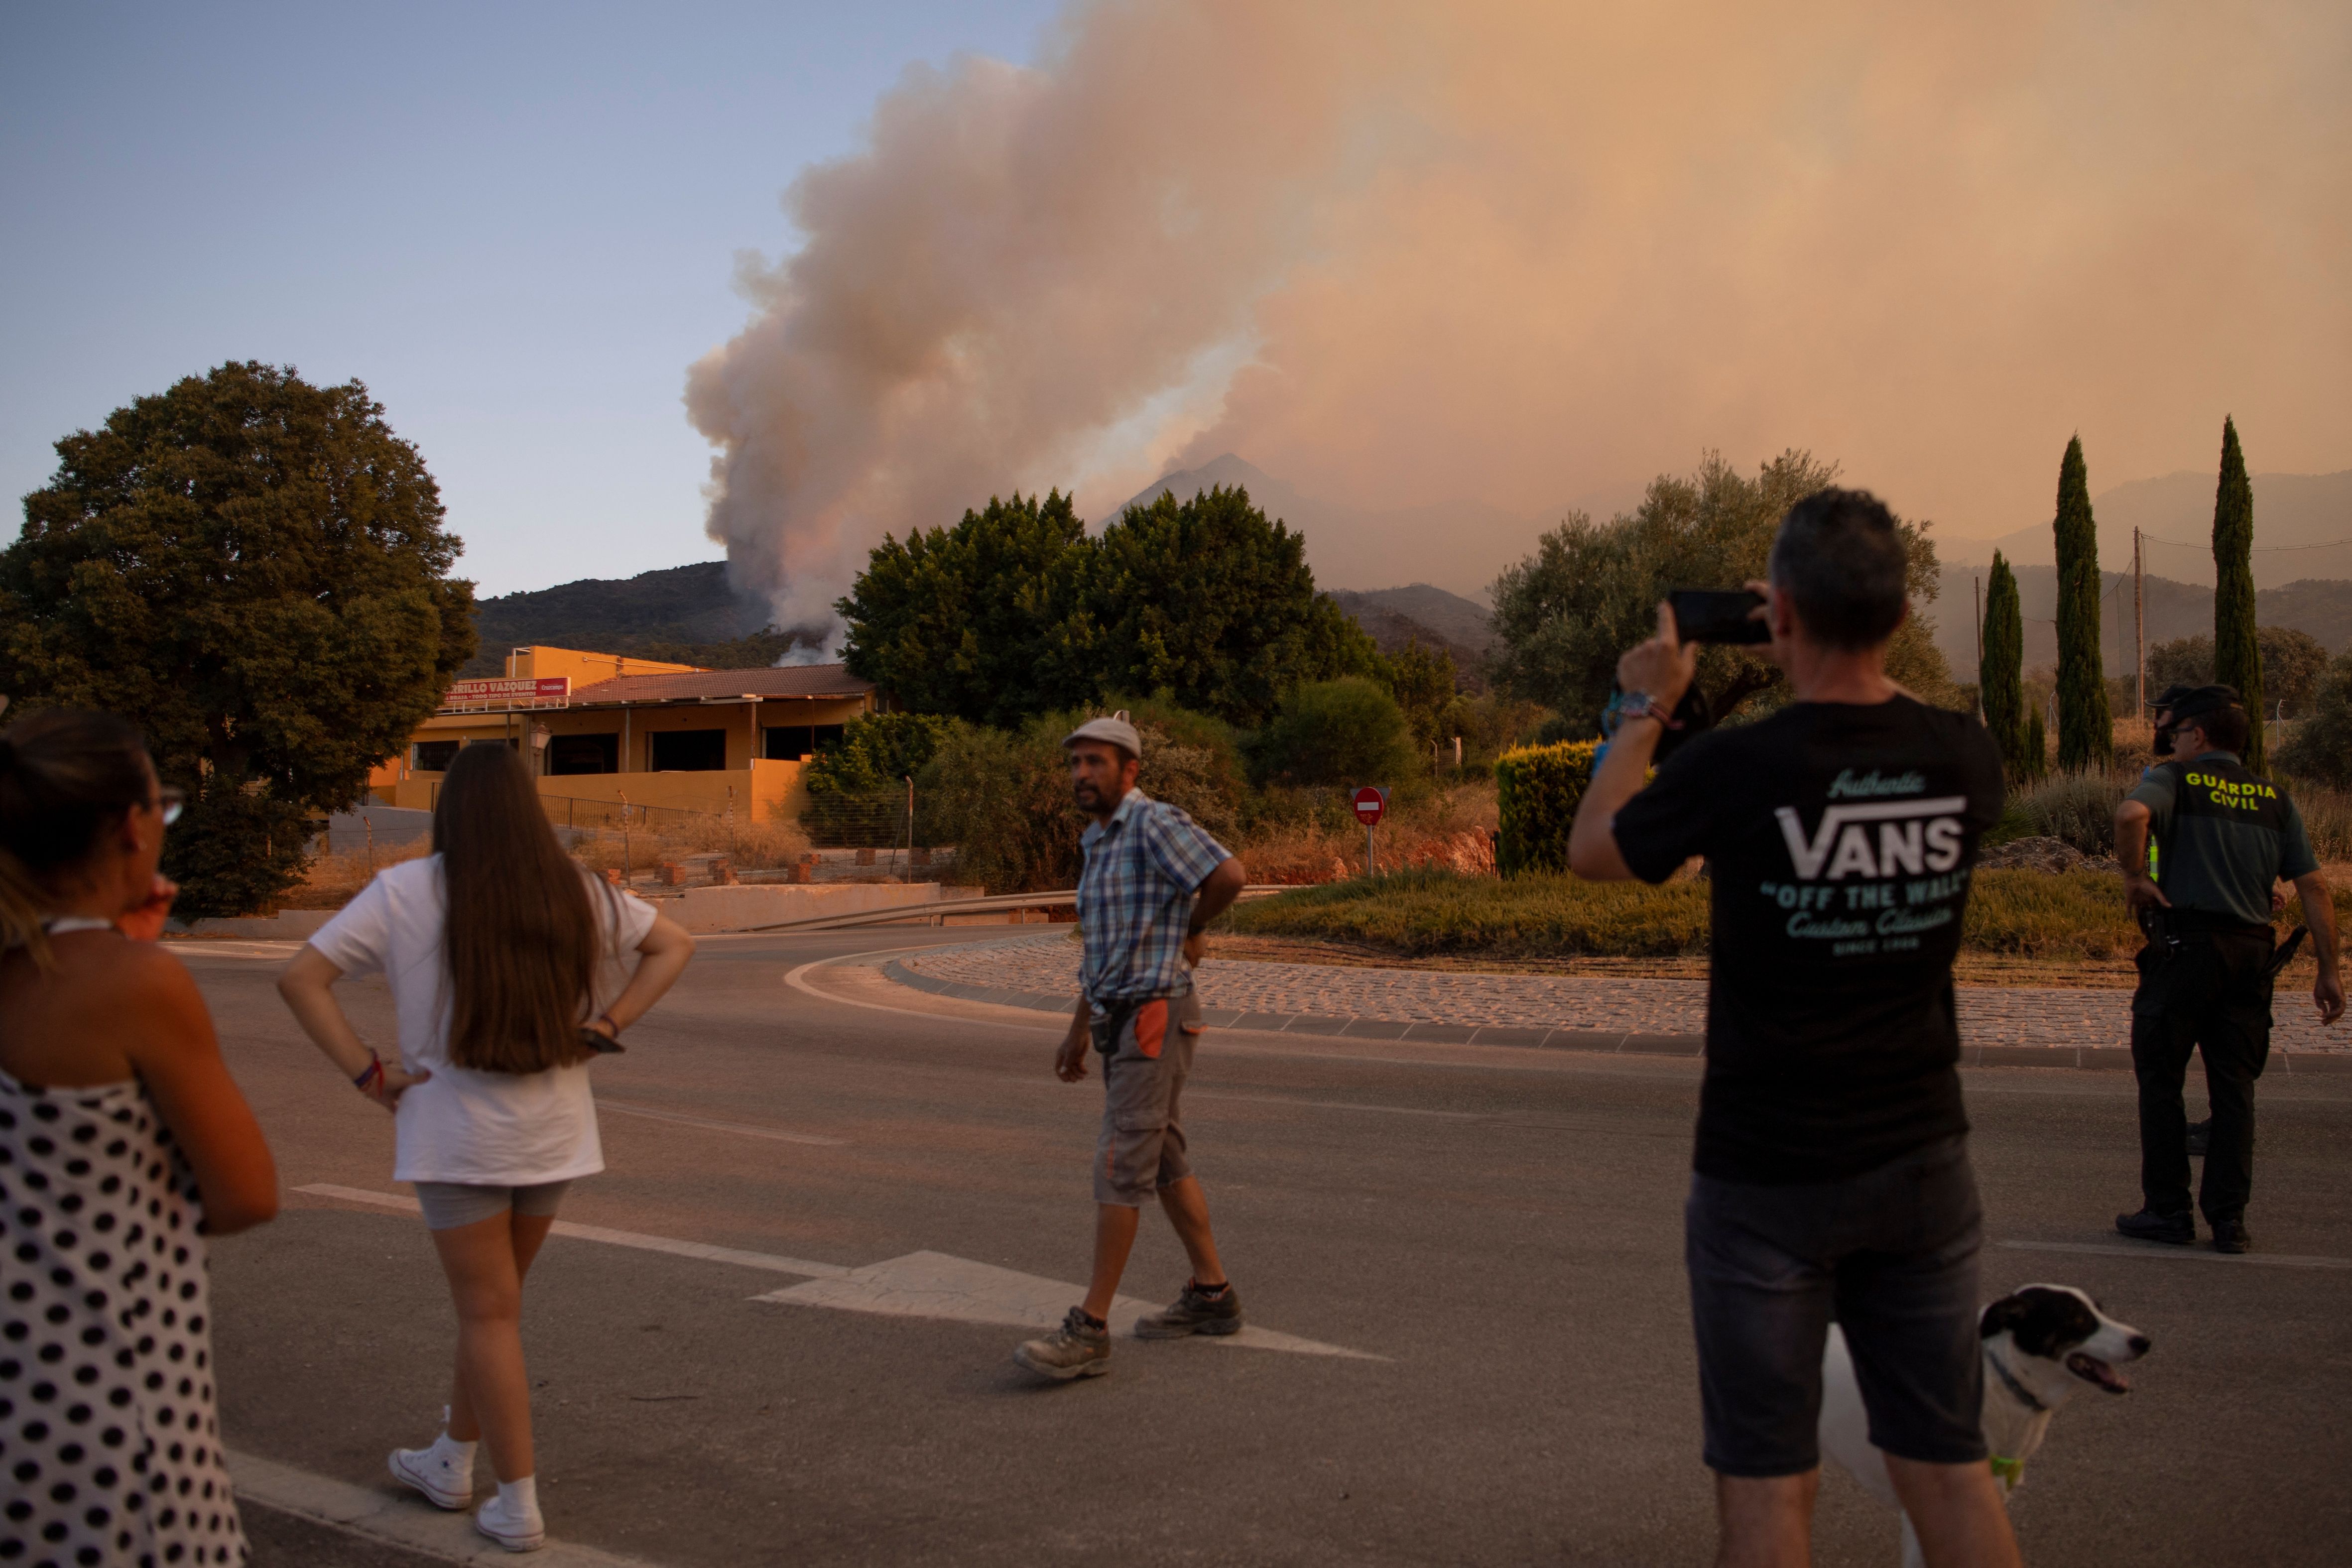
2037,745
2086,734
2001,675
2237,650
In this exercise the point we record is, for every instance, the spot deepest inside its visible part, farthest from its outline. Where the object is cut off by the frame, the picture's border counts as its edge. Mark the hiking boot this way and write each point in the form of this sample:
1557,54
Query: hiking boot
2147,1225
1195,1312
1077,1349
2200,1136
2231,1236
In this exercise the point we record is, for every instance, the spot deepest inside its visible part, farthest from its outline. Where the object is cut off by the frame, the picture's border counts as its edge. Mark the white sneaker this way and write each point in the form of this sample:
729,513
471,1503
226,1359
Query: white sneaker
510,1527
431,1472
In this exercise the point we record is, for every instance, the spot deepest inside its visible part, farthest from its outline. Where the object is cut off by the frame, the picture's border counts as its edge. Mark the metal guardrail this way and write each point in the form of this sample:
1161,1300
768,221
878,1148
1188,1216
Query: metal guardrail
930,913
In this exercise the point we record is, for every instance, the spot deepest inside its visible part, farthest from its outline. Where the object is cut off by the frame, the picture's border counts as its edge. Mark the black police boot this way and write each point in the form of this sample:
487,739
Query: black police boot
2200,1136
2179,1230
2231,1236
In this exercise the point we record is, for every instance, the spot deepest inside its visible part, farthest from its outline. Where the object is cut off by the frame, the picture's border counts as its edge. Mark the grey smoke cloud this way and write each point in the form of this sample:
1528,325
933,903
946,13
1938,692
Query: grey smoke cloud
1404,253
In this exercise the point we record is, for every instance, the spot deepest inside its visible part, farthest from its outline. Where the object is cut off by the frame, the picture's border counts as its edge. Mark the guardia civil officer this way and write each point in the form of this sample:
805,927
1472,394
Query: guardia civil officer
2222,838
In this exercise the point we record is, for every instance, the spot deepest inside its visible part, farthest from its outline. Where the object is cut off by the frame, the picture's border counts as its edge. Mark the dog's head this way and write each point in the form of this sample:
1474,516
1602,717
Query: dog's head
2060,1325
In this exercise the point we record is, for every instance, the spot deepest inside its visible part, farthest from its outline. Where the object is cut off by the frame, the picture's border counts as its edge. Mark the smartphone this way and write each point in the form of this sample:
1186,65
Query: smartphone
1718,615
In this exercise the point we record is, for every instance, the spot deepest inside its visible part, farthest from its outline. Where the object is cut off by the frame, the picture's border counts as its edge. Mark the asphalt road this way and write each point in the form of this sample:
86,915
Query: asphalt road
1496,1231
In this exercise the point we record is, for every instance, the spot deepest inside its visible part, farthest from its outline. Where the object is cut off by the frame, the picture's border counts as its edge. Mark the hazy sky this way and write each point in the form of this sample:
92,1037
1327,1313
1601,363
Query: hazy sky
1394,252
515,223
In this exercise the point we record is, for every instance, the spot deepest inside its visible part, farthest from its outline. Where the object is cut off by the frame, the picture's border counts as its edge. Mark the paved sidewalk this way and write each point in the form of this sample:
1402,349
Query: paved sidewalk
1998,1023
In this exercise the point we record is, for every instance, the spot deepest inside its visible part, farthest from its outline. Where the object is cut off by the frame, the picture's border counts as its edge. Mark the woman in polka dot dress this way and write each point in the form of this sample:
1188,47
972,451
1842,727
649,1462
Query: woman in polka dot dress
122,1142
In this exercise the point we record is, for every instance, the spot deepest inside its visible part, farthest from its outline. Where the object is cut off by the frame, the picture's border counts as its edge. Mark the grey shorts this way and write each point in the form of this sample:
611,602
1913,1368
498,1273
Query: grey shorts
1145,1061
1892,1254
450,1204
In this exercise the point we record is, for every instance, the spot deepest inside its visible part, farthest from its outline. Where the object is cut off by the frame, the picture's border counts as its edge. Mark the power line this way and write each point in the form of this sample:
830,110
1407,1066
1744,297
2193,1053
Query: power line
2259,550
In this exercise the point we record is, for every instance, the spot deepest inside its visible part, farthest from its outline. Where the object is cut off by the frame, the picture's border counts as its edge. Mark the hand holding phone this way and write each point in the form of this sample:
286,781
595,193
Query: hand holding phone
1718,615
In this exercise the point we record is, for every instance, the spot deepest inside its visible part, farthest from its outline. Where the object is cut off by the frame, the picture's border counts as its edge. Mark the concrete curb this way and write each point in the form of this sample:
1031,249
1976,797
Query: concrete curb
385,1514
2090,1058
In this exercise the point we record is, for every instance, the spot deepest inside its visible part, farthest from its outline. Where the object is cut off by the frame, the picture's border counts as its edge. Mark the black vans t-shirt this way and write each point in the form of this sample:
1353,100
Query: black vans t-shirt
1839,839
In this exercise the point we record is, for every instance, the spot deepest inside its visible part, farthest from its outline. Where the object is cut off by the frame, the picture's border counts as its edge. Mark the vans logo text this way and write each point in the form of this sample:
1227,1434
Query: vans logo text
1912,836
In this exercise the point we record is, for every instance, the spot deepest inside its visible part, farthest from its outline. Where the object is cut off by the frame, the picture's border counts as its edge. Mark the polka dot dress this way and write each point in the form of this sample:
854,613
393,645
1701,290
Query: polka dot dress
109,1452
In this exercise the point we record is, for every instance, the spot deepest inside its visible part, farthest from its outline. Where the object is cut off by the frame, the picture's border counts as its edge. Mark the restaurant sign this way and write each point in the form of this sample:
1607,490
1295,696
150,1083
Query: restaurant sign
508,693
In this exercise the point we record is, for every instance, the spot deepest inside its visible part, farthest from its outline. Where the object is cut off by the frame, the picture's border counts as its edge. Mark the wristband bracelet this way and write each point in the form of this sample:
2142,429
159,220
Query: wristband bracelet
374,1071
608,1021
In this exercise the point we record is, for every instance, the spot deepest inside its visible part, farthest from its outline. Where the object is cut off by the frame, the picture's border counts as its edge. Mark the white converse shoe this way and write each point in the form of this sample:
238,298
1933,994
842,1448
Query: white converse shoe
435,1474
511,1527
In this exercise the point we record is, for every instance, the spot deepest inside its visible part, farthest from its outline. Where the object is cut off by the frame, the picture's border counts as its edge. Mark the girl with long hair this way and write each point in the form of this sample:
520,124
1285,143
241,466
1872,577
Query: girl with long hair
500,952
123,1145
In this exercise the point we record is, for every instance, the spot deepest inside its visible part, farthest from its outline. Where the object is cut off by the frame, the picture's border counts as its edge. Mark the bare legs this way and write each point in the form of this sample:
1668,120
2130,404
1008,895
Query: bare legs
1955,1510
486,1263
1187,1208
1767,1522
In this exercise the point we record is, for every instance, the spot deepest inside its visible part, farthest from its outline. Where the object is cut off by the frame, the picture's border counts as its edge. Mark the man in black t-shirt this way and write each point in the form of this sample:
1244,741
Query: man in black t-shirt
1831,1177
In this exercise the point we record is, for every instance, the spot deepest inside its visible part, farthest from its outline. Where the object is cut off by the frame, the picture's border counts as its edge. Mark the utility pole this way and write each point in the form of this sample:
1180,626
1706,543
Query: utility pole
2139,624
1976,589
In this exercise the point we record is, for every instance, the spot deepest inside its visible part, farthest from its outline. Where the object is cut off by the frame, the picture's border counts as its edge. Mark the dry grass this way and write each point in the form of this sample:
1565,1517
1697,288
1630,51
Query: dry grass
1447,831
332,880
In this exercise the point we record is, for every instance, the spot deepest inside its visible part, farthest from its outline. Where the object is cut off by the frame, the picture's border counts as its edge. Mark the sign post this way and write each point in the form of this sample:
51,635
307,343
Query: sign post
1371,804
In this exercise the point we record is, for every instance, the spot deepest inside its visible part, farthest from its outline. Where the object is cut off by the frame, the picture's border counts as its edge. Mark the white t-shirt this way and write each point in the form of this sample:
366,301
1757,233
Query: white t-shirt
494,1129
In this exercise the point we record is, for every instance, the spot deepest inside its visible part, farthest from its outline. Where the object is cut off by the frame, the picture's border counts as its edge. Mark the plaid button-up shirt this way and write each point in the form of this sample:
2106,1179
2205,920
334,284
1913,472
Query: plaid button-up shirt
1143,874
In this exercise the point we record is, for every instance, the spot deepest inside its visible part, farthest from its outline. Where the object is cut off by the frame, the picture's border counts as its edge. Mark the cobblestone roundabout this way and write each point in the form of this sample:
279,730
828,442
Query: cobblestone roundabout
2051,1015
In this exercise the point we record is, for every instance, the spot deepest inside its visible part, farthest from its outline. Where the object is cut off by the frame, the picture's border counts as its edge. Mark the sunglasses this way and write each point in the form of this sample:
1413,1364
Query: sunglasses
171,801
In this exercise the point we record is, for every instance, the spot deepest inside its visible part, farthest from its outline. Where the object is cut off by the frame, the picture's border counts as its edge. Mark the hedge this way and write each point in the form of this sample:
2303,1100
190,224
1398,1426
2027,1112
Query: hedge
1537,788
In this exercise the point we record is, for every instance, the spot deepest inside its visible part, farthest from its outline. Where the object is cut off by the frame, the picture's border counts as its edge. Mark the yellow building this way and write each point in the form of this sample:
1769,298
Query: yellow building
602,728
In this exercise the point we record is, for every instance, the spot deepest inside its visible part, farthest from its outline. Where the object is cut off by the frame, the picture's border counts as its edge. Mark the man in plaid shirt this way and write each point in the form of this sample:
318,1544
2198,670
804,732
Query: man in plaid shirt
1153,881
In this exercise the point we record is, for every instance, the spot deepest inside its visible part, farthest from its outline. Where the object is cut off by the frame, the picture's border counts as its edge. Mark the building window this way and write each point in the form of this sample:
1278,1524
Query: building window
790,742
585,753
688,750
435,756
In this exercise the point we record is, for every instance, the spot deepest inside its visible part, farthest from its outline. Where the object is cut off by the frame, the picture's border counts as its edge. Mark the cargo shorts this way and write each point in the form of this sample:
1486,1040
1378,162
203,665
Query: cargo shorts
1146,1050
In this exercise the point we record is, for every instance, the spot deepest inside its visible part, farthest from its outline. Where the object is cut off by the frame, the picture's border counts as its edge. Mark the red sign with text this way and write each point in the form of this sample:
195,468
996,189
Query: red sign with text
1371,804
508,692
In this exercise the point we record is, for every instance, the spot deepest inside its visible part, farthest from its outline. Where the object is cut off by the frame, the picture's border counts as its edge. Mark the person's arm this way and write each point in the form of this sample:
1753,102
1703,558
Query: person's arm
178,1059
2132,819
663,955
1213,897
307,987
1070,1061
2319,914
1661,668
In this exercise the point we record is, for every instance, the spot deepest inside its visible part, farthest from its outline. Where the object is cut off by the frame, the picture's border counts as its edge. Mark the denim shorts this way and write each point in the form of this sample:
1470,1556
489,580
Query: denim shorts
1891,1255
450,1204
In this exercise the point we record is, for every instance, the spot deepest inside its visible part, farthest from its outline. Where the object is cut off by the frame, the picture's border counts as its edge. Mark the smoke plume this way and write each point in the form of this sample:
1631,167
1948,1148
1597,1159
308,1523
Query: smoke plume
1399,254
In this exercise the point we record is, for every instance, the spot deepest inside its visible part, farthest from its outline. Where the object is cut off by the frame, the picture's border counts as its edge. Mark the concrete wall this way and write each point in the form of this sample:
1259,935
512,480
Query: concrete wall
760,790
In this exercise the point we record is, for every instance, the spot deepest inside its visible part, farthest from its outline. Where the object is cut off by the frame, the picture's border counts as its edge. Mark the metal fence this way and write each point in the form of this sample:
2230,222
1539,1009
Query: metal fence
863,822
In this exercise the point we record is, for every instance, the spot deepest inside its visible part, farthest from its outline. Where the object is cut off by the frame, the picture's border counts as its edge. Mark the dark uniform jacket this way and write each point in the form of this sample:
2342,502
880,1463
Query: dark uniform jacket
2218,837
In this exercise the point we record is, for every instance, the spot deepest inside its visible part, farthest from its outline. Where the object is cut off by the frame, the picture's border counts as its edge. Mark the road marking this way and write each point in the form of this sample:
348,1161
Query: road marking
628,1108
671,1245
382,1513
2190,1254
794,978
232,947
919,1285
1193,1093
935,1285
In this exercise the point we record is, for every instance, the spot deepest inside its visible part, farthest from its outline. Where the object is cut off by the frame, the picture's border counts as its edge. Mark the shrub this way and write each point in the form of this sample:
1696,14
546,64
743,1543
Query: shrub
2320,747
1002,799
1438,910
2079,808
1537,788
875,753
1343,732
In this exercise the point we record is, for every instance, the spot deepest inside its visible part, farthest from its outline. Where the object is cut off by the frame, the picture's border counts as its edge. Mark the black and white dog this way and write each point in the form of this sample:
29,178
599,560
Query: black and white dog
2040,1345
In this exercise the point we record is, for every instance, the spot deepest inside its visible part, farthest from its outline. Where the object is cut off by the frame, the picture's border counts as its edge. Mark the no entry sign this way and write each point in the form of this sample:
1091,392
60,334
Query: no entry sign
1371,803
